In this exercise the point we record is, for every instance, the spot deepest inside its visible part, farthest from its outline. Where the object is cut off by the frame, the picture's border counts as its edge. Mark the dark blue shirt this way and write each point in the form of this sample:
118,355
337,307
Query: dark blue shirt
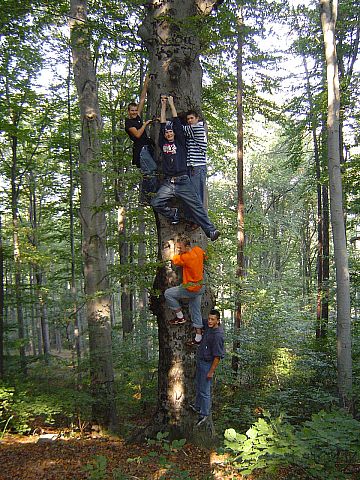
173,154
212,344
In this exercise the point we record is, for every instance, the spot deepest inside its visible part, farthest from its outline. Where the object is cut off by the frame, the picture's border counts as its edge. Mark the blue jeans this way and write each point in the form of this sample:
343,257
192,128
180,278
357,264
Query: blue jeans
203,387
182,189
172,296
197,177
147,163
148,169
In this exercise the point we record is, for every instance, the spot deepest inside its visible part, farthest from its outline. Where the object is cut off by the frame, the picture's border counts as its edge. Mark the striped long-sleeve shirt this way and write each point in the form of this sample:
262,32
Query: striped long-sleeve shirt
196,144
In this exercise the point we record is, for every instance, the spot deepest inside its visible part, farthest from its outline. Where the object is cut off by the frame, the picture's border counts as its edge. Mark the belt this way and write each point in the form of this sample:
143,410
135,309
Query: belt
174,179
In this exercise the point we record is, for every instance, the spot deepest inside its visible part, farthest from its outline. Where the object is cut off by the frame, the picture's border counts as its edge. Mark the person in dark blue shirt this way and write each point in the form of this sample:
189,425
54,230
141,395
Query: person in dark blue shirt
176,182
210,352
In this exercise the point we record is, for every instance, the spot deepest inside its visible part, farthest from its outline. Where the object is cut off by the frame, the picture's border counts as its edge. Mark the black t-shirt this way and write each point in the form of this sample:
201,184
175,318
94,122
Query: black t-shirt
138,142
173,154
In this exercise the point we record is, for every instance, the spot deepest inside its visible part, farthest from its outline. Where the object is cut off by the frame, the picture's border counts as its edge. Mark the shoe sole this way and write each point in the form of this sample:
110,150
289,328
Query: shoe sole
174,323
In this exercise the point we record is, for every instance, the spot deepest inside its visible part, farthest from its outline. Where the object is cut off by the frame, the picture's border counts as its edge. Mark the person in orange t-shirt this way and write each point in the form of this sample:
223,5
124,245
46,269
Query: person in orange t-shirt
191,259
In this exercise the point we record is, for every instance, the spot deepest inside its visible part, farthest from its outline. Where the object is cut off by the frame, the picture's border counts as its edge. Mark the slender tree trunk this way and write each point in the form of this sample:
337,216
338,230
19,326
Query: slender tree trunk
38,273
2,368
75,314
326,259
16,253
328,12
240,272
174,47
126,314
43,314
98,304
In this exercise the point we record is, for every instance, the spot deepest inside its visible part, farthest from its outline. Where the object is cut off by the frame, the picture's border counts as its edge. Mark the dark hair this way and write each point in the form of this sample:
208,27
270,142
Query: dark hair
132,104
184,239
215,312
193,112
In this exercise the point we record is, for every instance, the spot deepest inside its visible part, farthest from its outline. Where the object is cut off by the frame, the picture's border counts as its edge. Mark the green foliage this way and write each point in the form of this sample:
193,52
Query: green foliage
317,447
96,469
168,446
165,448
26,405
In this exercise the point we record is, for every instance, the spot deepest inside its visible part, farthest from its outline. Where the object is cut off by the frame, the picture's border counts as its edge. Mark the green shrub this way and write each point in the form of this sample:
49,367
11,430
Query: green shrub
30,405
317,447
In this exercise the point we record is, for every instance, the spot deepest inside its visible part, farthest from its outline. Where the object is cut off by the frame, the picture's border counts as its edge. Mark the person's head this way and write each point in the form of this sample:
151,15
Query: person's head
183,244
133,110
214,318
192,117
169,132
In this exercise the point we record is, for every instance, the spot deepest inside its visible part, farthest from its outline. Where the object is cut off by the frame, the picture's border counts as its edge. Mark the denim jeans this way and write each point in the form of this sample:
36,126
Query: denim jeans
148,169
203,387
182,189
172,296
197,177
147,163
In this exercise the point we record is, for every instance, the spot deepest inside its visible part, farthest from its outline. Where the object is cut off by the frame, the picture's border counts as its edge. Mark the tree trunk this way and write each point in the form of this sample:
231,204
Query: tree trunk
43,314
2,369
240,273
16,252
326,260
170,32
328,12
93,221
76,346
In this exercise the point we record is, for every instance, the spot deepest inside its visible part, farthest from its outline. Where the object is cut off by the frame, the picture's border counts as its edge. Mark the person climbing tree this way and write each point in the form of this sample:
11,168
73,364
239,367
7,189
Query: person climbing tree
192,287
196,145
176,182
143,152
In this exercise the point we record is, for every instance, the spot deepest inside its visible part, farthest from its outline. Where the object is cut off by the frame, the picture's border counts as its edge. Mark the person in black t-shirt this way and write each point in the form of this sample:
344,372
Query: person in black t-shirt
143,153
176,182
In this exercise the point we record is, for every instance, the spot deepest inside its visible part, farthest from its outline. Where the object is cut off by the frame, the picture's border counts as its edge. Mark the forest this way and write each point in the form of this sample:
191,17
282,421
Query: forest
94,381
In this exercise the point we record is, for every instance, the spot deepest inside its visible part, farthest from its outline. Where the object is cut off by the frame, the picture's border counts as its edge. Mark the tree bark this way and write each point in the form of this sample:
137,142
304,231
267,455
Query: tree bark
328,13
240,273
98,304
170,32
2,368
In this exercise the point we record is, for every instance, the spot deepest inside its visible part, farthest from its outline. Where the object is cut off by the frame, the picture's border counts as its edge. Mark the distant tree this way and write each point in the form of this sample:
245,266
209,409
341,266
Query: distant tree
328,12
93,221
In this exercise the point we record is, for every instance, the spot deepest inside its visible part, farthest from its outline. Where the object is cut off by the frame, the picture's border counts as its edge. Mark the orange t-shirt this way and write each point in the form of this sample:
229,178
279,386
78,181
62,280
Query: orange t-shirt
193,268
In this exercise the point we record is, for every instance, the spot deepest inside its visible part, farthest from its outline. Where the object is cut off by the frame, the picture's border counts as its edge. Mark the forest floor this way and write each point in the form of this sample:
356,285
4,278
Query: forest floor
27,458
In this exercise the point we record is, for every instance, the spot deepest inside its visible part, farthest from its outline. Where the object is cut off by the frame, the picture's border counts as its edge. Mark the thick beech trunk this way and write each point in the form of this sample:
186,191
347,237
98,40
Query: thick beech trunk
344,362
93,221
170,33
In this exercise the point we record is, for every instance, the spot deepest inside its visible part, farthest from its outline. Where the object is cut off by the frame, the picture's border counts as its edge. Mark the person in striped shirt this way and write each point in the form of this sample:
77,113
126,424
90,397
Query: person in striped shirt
196,145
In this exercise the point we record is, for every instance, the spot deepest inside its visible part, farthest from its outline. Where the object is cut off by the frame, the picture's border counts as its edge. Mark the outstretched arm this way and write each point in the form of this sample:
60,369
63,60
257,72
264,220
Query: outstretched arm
143,94
172,106
163,110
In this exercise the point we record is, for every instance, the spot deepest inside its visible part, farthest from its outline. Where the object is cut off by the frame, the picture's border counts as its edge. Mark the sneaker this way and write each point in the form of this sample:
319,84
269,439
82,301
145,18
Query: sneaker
194,409
202,419
177,321
214,235
176,218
